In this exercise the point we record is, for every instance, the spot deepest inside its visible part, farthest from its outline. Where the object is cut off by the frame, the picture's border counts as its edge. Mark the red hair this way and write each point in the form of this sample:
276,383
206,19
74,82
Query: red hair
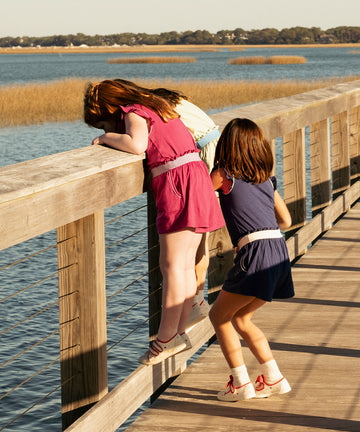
102,100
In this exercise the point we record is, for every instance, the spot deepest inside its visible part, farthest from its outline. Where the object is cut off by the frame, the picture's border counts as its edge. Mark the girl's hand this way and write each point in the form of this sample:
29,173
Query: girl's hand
98,140
220,181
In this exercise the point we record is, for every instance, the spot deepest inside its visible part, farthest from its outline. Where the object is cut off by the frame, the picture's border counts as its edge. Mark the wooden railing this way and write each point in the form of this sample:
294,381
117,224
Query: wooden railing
69,192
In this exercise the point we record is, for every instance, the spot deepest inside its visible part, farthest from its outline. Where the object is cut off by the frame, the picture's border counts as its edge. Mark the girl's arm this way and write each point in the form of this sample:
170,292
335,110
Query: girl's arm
135,140
282,213
220,180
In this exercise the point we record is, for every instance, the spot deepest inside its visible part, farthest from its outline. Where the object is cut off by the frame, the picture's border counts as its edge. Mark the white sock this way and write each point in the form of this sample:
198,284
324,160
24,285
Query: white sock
271,371
240,375
199,297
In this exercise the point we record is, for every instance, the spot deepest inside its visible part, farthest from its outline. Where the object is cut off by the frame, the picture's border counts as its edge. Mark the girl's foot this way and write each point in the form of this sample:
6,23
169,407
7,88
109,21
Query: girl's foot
264,389
233,393
161,350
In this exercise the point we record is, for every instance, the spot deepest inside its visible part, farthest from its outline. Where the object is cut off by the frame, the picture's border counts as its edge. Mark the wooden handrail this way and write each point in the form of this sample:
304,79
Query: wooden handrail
40,195
43,183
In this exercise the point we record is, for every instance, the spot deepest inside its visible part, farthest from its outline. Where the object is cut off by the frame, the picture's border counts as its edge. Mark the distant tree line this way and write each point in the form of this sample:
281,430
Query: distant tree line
294,35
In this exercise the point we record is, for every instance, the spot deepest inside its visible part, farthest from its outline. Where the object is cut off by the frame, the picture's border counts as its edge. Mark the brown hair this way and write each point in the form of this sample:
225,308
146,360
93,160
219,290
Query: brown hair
172,96
244,151
102,100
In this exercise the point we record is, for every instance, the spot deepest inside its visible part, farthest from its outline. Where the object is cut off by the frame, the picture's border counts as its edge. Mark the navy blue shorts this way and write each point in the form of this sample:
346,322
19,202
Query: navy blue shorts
262,269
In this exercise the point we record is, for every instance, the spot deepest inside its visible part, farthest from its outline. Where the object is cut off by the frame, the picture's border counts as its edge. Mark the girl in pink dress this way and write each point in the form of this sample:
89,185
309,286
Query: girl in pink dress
136,121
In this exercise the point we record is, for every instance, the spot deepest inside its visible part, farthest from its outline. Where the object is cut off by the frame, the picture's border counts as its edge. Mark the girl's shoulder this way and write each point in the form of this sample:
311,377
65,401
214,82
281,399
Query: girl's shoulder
136,108
141,111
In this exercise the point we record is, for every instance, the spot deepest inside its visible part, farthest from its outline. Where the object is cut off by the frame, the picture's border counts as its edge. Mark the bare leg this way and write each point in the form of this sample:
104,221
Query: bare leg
252,335
230,314
177,260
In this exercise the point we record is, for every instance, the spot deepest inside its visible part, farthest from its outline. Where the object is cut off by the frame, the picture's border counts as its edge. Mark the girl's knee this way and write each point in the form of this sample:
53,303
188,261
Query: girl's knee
212,315
241,323
218,316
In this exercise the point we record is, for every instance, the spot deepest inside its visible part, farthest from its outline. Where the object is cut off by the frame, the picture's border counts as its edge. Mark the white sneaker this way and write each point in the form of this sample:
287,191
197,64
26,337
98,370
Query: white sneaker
264,389
160,351
198,312
233,394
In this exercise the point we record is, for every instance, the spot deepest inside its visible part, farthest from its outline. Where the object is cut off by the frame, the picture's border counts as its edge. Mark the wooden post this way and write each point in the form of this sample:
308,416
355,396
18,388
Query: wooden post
221,255
320,165
82,314
354,135
340,153
294,178
273,149
155,277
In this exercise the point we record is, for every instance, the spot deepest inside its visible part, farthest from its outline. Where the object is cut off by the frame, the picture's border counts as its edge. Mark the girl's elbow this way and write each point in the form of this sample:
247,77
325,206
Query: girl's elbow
286,222
139,151
139,147
136,148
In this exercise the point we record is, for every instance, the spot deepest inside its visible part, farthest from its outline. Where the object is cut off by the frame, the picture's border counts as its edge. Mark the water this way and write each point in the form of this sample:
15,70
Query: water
321,63
23,143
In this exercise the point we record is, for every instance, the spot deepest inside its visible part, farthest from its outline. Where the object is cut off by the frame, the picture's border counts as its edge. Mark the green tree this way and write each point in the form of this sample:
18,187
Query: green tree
261,37
198,37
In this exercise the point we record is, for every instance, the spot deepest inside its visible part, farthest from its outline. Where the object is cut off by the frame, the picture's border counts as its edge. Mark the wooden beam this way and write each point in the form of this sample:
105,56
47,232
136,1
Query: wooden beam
155,276
126,397
55,197
320,165
82,315
340,152
299,242
221,255
281,116
354,132
294,177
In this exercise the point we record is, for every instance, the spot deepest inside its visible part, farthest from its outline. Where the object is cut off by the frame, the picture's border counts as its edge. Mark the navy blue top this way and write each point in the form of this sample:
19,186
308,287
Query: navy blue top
248,207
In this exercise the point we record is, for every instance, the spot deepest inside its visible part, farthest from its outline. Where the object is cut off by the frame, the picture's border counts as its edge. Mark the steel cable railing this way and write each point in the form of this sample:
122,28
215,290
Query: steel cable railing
51,278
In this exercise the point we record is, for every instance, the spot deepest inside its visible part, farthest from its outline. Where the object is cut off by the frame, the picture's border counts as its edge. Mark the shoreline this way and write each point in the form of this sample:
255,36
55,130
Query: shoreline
158,48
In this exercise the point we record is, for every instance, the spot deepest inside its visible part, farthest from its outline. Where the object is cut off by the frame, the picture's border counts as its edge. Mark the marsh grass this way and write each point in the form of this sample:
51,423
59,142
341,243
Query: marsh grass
152,60
63,100
38,103
257,60
235,48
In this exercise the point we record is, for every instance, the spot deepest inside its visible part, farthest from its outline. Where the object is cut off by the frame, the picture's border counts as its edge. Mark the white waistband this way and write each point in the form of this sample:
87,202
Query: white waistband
182,160
258,235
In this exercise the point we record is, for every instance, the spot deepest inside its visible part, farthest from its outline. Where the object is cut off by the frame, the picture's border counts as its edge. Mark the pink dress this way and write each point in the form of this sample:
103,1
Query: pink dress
184,196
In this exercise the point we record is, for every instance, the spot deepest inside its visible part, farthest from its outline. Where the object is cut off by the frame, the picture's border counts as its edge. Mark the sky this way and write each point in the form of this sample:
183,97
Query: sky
91,17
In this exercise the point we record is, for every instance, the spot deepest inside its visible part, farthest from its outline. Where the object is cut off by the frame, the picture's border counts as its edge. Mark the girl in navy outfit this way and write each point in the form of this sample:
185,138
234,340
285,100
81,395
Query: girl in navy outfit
254,213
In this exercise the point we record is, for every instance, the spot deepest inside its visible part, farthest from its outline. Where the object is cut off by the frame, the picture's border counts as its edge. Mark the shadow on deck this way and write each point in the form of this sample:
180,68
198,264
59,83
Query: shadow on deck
315,340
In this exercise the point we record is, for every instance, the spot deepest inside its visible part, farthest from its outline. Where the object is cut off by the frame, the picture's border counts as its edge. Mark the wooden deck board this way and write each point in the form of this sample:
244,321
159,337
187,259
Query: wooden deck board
315,340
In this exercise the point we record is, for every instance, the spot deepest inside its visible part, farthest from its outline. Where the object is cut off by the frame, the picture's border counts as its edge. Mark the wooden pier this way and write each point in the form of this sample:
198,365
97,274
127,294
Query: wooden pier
314,336
315,339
